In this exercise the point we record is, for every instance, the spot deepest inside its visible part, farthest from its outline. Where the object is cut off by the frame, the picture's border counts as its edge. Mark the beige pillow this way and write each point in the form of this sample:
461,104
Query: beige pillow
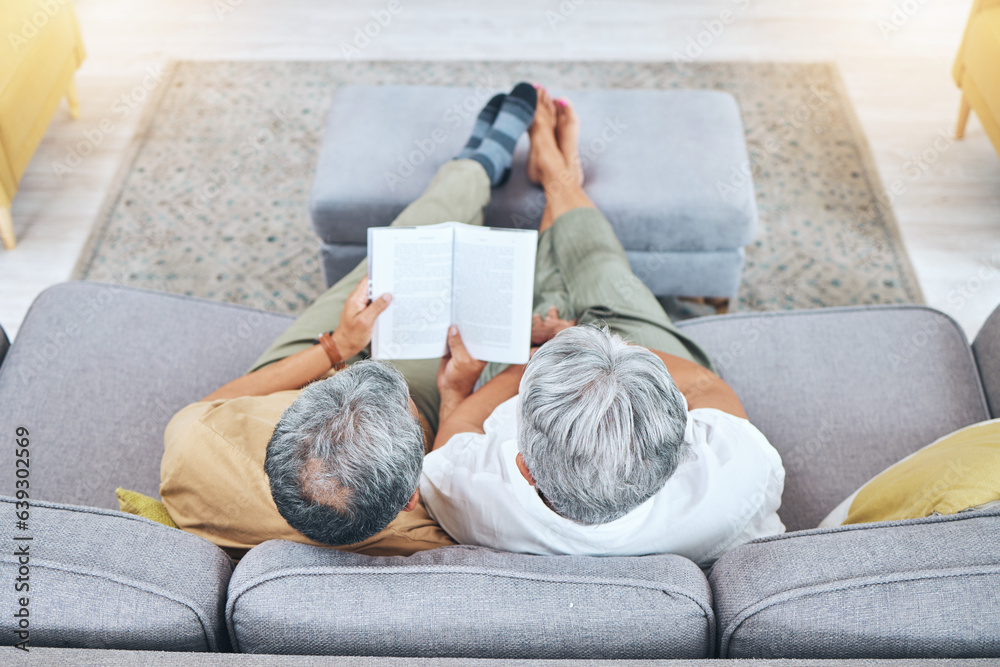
958,472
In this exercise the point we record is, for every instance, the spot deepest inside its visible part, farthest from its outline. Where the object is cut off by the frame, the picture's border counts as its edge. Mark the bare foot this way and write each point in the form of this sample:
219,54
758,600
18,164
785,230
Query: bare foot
541,129
568,136
542,133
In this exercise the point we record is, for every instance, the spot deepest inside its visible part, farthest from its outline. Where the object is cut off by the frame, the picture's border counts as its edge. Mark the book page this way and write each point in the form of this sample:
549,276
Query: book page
493,291
415,265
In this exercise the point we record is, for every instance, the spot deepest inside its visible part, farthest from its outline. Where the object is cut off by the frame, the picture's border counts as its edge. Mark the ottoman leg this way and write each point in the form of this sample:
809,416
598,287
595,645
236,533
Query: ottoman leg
721,304
963,117
73,100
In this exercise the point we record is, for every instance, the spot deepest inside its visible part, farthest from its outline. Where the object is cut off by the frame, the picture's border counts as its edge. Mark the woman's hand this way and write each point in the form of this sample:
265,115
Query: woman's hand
469,414
542,331
357,320
459,371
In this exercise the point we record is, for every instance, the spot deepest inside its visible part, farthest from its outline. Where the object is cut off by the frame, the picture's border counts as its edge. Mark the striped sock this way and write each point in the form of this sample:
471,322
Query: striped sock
482,126
496,152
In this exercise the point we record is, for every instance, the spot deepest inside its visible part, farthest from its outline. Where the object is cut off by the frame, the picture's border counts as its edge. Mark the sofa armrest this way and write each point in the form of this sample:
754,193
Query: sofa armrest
986,349
97,578
924,588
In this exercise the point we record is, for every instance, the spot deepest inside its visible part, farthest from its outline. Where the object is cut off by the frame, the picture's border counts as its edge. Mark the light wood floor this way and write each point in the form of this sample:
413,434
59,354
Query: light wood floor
899,83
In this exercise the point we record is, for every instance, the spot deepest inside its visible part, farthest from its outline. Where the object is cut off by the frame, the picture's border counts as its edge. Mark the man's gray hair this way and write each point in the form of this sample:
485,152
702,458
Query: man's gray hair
600,424
346,456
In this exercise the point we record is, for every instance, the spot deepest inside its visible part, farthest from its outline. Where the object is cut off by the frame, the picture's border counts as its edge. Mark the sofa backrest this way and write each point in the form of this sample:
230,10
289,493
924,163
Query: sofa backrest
97,372
986,347
843,393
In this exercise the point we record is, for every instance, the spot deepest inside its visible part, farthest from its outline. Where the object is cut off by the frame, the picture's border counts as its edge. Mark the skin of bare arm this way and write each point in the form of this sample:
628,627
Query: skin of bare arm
354,332
701,387
458,373
471,413
463,411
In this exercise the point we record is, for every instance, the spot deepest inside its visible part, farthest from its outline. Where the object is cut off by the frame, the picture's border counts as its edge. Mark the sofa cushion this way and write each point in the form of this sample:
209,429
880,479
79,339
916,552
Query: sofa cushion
103,579
97,372
986,347
908,589
843,393
469,602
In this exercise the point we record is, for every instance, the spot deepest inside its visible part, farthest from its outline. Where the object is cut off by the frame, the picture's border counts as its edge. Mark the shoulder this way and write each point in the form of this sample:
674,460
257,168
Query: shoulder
712,423
728,437
407,534
206,414
477,451
240,424
212,476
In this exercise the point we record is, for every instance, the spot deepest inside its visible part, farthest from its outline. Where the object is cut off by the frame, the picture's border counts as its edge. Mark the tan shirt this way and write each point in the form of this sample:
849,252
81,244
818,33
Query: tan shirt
213,483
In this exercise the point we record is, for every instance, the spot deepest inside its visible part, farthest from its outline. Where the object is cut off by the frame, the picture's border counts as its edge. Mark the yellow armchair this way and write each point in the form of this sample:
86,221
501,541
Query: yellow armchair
977,70
41,51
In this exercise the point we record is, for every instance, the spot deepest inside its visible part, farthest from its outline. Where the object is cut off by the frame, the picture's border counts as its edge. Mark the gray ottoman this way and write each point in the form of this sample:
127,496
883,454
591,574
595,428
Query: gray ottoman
665,167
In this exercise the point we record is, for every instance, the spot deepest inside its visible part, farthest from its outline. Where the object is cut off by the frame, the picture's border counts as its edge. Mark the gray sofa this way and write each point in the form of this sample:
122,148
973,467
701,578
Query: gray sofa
96,371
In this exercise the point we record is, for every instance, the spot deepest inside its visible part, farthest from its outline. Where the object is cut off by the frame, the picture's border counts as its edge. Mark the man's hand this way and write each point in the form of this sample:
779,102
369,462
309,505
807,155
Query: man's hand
458,371
542,331
357,320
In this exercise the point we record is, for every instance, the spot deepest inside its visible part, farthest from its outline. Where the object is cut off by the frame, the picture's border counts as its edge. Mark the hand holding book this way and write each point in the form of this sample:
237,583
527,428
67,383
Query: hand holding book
357,320
459,371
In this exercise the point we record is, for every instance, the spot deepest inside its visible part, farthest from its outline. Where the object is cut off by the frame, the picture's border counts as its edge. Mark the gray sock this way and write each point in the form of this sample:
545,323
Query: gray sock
482,126
496,152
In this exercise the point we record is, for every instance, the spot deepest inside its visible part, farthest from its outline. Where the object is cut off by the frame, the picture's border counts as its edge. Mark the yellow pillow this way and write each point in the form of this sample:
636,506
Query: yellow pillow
957,472
134,502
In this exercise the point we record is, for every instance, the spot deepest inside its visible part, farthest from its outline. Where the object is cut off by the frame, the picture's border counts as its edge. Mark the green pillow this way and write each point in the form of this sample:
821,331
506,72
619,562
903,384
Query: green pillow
136,503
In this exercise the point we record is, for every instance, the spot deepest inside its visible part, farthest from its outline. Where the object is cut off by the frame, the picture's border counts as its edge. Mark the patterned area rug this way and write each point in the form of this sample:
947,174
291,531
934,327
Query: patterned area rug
213,199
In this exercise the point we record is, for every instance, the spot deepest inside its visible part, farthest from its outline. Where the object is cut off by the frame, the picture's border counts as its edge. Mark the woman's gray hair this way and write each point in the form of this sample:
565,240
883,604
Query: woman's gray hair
600,424
346,456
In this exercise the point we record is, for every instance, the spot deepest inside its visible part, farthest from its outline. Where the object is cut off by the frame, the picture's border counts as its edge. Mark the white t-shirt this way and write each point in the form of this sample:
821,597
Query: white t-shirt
725,492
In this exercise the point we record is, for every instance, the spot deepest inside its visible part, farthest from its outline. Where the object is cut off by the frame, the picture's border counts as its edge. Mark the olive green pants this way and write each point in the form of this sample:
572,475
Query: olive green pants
580,268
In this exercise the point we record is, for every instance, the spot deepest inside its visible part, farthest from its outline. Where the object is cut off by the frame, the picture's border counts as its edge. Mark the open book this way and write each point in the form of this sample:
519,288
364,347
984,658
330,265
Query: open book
480,279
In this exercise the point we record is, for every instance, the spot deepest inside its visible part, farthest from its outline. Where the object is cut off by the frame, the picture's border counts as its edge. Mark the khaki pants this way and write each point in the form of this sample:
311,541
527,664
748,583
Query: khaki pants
581,269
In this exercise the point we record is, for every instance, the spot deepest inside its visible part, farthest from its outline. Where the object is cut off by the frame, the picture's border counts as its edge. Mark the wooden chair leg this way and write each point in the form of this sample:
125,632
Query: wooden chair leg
963,117
72,100
7,228
721,304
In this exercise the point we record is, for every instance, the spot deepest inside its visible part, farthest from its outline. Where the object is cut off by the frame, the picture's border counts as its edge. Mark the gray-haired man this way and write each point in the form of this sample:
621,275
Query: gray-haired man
296,450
